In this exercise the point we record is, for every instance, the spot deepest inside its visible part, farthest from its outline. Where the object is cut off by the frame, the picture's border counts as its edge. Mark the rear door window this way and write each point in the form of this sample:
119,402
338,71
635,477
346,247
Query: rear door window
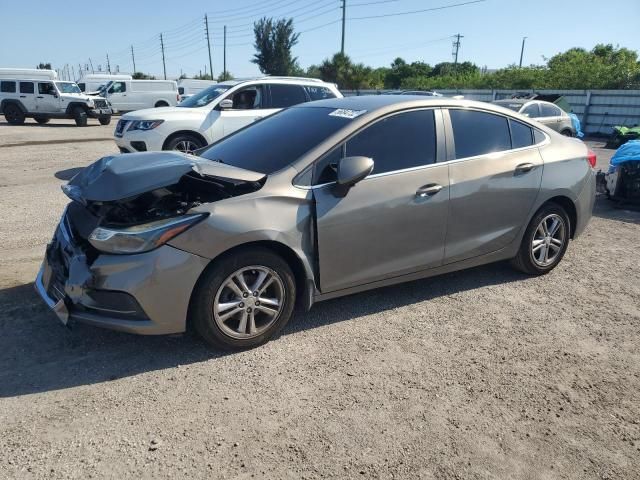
8,87
478,133
26,87
521,134
283,96
318,93
548,110
531,111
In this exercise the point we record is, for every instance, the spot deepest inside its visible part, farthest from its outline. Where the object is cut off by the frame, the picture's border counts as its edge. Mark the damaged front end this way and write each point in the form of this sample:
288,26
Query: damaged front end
110,245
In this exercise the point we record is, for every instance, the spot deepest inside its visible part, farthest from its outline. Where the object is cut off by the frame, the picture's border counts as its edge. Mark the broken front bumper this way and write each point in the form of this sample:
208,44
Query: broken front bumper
146,293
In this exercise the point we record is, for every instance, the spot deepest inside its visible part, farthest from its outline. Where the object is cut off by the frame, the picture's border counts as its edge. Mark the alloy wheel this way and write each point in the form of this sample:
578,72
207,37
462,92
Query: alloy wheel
248,302
548,240
186,146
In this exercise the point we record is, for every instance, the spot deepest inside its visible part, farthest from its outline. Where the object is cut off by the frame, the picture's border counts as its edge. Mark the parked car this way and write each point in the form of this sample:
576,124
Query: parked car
42,98
318,201
215,112
544,112
91,82
424,93
188,87
129,95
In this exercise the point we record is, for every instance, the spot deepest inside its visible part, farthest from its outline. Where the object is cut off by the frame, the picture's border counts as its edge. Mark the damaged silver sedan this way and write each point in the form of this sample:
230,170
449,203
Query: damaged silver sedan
318,201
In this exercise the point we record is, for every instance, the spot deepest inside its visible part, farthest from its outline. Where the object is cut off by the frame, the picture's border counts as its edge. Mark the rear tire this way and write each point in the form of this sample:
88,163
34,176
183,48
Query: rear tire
105,120
161,104
13,114
545,241
42,120
229,315
80,116
184,143
567,133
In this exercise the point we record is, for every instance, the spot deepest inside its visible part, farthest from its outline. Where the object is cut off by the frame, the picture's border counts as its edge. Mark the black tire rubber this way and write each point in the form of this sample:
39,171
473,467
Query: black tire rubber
106,120
201,309
161,104
80,116
171,144
523,261
13,114
42,120
567,133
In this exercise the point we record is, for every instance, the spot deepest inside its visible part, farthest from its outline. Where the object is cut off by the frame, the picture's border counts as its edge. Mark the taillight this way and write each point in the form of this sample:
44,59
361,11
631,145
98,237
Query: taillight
591,158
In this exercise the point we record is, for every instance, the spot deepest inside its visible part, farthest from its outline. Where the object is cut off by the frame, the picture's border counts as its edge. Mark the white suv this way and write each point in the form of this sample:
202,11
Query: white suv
215,112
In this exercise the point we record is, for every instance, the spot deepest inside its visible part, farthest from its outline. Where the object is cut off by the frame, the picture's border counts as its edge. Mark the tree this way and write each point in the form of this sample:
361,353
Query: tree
204,76
225,76
142,76
273,43
44,66
400,70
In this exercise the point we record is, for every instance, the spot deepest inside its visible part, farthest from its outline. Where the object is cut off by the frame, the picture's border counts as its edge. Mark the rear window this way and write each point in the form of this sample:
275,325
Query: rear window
478,133
8,87
277,141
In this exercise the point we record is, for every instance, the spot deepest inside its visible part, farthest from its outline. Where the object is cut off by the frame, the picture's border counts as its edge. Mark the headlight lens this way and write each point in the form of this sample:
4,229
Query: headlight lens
142,238
90,103
144,124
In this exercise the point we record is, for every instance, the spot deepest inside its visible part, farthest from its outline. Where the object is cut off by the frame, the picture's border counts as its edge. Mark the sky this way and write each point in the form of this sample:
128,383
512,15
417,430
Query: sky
72,32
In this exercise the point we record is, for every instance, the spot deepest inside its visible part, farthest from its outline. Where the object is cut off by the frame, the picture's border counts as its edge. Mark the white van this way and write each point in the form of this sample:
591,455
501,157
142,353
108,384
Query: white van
32,73
190,86
91,82
129,95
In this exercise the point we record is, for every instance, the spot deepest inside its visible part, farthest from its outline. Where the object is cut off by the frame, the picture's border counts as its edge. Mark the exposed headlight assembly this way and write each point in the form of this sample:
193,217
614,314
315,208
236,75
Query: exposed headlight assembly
90,103
142,238
144,124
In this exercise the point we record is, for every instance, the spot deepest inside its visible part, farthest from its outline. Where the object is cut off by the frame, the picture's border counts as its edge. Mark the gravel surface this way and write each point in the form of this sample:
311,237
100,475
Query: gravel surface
479,374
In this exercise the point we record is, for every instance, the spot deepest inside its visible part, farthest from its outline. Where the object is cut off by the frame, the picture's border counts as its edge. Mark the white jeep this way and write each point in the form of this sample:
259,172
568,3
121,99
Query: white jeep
215,112
43,99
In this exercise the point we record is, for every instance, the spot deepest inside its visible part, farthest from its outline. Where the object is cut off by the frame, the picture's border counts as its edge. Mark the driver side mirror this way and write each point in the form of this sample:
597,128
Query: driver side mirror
351,170
225,104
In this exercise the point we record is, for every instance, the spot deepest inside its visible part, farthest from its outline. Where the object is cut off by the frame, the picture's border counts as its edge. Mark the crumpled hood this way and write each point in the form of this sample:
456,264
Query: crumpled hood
123,176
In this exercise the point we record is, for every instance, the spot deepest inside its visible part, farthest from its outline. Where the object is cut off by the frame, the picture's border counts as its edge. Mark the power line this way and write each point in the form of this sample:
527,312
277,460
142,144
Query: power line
433,9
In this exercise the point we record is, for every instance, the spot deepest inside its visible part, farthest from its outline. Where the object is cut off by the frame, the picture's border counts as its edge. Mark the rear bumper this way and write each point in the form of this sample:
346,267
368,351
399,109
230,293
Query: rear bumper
155,287
585,203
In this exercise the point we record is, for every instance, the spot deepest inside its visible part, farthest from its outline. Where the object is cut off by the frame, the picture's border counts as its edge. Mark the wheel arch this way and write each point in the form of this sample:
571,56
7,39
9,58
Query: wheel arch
305,285
184,132
73,105
570,207
8,101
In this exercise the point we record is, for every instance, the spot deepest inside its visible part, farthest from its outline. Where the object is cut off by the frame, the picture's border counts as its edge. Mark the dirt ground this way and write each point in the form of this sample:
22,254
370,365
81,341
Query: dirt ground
479,374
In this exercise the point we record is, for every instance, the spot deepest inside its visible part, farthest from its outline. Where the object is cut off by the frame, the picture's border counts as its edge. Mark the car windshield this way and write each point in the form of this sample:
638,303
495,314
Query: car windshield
277,141
68,87
205,97
510,105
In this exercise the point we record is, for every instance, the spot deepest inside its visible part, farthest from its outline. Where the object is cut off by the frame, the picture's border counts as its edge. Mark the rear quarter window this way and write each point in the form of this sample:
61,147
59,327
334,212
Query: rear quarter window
521,134
318,93
7,87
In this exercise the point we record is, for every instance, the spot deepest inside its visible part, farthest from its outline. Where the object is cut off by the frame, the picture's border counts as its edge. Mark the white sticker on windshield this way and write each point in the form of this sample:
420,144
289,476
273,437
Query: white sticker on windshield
346,113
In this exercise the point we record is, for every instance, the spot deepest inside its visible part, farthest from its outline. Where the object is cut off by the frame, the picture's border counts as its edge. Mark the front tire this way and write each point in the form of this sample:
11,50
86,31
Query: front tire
42,120
545,241
244,299
106,120
567,133
13,114
184,143
80,116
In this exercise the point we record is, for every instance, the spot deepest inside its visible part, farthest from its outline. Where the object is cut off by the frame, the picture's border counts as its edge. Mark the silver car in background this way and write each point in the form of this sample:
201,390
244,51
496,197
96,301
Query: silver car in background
321,200
544,112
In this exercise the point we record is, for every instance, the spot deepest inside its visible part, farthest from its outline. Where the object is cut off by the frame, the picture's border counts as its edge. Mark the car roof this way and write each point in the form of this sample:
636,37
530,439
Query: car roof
277,79
513,100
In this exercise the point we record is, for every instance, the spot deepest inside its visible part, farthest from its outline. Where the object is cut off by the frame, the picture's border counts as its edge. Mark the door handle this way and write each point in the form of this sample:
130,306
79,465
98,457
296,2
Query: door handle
428,190
525,167
39,97
23,96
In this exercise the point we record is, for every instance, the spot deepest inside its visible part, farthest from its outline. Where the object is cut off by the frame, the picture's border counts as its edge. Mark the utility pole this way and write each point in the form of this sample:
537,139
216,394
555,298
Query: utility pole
224,55
164,65
108,64
344,20
133,59
522,50
456,46
91,63
206,24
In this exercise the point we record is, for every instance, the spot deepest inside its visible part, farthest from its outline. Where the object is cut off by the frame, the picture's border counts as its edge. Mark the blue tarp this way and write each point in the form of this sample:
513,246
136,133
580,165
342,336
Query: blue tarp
576,125
628,152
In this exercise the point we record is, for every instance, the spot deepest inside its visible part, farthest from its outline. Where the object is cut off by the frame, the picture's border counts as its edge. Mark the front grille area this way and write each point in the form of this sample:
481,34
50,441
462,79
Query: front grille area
100,103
